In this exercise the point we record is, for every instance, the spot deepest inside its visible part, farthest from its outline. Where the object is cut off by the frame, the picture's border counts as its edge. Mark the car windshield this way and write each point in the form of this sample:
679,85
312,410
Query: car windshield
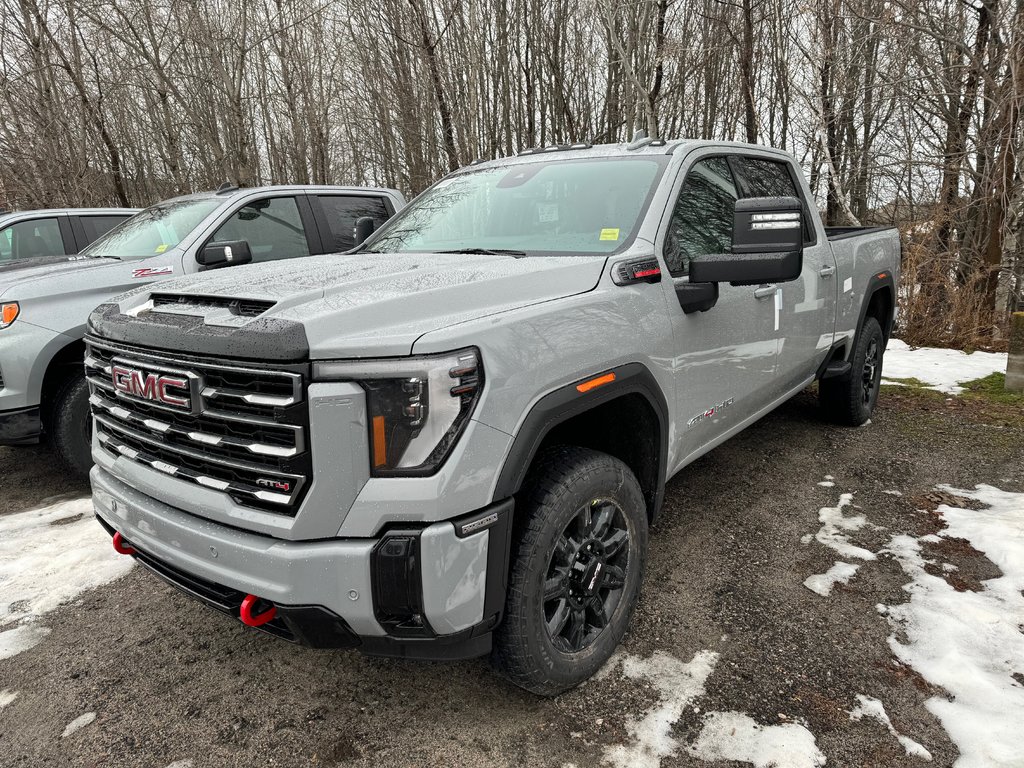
153,231
585,206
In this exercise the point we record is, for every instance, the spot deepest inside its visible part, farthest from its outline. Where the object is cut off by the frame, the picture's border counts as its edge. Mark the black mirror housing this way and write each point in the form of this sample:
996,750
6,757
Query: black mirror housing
364,227
225,254
767,245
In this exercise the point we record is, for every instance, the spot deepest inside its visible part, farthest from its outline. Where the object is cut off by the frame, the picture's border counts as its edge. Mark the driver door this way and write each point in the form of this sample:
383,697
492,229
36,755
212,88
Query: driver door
725,358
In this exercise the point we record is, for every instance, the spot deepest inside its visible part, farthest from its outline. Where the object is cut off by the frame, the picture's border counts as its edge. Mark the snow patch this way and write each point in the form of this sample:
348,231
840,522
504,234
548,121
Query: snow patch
678,683
7,697
893,493
188,764
872,707
21,639
735,736
822,583
78,724
48,557
941,369
970,643
826,484
834,523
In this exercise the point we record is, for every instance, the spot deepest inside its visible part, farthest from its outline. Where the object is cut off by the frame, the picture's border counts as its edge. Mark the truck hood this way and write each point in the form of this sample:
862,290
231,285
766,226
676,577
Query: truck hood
350,305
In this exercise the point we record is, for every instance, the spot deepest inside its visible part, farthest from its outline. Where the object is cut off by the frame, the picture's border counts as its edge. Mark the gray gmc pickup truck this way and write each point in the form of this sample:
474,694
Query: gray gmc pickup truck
45,302
452,441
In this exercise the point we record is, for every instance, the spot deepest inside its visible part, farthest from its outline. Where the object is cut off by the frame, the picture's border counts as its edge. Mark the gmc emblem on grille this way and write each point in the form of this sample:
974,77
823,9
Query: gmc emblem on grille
173,390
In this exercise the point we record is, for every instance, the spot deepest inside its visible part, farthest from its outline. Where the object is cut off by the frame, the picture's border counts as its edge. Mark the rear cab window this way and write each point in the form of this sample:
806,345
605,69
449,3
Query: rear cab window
764,177
97,226
340,213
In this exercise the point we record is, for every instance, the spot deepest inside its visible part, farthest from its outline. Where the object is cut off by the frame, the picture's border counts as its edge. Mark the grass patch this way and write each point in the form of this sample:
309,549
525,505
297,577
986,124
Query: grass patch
907,382
992,387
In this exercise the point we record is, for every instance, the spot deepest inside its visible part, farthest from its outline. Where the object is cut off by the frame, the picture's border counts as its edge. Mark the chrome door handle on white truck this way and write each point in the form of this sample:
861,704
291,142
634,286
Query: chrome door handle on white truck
452,440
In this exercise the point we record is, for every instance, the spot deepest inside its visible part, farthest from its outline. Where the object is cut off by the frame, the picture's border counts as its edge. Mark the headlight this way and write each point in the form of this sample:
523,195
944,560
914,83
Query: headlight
417,406
8,313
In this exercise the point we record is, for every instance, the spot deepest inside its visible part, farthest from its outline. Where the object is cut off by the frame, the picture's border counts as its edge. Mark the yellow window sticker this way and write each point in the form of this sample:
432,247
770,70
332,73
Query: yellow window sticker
161,248
610,233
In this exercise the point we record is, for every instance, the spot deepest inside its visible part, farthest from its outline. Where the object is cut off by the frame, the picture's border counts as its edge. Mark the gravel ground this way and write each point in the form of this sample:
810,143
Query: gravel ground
172,681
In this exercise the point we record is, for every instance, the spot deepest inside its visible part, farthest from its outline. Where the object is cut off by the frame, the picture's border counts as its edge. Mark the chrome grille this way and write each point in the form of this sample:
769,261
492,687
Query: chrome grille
243,433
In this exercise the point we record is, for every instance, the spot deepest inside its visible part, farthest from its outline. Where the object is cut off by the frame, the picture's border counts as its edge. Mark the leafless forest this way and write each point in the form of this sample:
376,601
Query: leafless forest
905,112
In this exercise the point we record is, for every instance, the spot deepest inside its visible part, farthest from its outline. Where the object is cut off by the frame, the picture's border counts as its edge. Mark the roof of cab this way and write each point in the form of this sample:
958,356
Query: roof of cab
228,193
638,147
36,212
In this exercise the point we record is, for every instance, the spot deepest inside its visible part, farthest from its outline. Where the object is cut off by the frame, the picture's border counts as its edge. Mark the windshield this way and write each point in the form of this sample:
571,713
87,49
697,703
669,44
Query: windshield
153,231
590,206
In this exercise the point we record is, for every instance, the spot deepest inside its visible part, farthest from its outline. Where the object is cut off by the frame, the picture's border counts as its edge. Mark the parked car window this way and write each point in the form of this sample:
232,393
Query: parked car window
97,226
155,230
272,227
29,239
703,215
343,211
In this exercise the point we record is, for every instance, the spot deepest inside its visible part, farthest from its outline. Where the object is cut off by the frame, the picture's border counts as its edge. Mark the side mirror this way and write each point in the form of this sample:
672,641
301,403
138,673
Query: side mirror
363,229
225,254
767,245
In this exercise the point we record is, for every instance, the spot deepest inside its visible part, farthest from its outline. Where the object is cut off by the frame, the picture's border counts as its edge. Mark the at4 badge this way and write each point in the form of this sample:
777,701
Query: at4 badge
710,412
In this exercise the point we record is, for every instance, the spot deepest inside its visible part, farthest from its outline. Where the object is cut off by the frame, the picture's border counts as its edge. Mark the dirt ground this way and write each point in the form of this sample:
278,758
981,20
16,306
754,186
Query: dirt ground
172,681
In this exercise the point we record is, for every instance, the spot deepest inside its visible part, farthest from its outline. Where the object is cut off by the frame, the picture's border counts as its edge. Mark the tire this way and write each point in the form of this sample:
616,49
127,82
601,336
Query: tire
71,426
574,498
850,400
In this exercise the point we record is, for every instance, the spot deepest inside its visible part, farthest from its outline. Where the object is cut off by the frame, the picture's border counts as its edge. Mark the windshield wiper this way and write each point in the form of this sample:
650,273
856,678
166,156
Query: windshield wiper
488,251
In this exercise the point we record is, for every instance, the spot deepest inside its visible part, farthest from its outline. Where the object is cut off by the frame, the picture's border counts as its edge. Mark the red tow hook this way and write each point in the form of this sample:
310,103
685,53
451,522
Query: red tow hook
120,546
245,612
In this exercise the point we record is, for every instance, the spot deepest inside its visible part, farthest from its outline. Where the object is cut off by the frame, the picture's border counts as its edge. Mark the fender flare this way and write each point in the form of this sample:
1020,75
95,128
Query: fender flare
566,402
46,355
881,281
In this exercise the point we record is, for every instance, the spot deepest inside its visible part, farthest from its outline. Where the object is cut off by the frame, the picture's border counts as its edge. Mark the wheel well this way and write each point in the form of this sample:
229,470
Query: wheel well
627,428
63,365
880,307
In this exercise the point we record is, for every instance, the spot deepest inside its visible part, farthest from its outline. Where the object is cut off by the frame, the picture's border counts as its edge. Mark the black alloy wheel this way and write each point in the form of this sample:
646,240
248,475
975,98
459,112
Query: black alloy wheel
586,575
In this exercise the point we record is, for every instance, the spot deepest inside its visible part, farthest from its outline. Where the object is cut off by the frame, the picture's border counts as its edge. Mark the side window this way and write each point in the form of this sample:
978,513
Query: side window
703,215
272,227
28,239
95,226
342,212
771,178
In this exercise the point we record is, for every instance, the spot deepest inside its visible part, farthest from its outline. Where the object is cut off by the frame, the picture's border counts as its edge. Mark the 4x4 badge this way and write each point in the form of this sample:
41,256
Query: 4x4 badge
710,412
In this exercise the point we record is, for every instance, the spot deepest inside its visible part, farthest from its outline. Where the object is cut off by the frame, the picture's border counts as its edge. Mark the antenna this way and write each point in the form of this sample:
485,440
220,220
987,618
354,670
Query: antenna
226,187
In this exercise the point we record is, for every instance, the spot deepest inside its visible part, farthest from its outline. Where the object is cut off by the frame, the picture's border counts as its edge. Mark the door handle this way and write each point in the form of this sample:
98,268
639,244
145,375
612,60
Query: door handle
764,291
827,271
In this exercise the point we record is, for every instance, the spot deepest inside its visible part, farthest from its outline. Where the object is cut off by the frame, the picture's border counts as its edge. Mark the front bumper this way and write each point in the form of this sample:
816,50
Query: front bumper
21,426
328,593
